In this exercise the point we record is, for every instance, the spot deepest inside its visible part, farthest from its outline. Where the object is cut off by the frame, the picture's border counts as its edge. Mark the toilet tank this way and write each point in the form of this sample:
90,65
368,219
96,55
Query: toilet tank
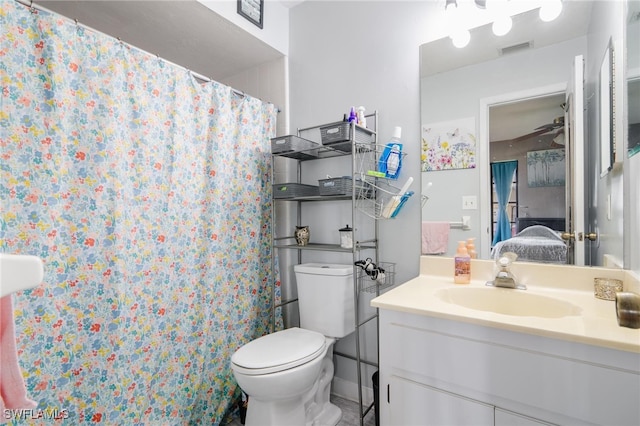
325,298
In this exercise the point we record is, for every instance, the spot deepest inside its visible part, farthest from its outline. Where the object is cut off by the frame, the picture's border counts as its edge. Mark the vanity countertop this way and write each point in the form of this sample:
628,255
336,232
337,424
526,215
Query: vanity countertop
595,325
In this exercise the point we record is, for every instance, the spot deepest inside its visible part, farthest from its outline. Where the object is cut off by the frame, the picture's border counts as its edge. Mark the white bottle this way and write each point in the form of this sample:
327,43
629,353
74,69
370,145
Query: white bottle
362,120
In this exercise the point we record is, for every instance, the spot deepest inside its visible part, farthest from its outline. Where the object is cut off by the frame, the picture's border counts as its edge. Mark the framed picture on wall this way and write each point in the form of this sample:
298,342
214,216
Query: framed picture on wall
546,168
252,10
449,145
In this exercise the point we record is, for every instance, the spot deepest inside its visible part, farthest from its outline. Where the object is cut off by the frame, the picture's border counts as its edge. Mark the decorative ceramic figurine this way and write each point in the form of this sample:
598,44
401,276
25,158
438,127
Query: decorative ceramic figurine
302,235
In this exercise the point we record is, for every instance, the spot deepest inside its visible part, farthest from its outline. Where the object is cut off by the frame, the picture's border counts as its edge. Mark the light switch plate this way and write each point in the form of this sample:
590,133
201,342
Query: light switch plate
469,202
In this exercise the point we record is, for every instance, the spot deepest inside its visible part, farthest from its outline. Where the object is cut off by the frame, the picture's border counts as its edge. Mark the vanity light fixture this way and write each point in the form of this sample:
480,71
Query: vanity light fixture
460,38
502,21
502,25
550,10
460,35
498,9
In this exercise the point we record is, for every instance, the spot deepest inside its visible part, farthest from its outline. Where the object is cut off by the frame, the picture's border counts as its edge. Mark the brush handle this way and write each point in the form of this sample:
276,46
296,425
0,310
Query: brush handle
406,186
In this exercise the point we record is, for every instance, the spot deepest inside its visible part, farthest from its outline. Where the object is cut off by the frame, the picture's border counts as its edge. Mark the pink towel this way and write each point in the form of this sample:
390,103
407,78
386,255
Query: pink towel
13,392
435,237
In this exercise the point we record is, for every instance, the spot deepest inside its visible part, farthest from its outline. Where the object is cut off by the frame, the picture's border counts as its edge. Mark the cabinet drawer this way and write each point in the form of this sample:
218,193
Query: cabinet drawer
416,404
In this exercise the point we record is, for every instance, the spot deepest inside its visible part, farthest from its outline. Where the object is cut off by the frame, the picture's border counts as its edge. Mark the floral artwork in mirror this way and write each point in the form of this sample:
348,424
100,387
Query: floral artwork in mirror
449,145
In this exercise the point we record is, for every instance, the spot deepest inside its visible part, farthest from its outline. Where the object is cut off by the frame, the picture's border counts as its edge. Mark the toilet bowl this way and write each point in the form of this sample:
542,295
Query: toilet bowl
287,375
277,371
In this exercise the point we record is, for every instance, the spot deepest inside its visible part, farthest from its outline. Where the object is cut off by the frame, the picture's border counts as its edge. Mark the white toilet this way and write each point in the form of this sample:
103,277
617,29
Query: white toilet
288,374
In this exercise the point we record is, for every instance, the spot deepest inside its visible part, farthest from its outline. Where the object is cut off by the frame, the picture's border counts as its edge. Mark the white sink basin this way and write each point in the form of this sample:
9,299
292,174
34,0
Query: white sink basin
508,302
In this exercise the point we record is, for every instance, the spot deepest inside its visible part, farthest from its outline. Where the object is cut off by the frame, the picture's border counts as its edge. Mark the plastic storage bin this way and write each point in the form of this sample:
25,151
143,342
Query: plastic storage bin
293,190
291,146
343,186
337,136
336,186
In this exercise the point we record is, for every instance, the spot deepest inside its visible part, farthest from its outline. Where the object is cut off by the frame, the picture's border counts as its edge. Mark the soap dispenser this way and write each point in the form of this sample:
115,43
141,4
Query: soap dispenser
462,260
471,248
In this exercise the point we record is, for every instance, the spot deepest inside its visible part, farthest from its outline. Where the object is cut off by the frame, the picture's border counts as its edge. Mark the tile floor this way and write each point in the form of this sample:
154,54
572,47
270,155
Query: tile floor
350,415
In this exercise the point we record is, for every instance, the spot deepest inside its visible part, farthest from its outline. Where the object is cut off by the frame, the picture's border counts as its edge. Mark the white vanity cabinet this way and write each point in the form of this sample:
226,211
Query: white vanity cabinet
438,371
507,418
417,404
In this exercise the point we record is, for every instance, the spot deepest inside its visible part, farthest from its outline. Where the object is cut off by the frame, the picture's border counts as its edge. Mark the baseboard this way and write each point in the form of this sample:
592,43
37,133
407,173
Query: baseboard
349,390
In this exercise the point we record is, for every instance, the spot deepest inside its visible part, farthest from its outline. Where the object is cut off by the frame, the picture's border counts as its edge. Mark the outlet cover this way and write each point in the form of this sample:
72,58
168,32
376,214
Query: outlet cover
469,202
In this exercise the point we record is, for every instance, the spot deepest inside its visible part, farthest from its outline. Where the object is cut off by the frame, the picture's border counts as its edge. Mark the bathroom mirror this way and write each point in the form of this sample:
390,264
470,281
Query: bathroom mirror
633,78
470,89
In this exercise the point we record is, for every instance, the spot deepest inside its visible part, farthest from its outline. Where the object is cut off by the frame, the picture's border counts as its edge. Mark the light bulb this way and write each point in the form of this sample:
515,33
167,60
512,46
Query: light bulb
461,38
502,25
550,10
497,5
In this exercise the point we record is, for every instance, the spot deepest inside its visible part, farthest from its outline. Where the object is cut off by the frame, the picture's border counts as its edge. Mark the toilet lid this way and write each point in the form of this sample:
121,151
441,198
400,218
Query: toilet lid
279,351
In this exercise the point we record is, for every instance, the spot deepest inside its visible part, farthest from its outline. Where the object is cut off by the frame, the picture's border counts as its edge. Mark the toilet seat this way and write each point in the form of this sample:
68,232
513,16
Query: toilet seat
278,351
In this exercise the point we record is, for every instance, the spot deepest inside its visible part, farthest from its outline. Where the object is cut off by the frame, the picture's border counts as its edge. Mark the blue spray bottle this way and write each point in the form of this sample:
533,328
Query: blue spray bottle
390,161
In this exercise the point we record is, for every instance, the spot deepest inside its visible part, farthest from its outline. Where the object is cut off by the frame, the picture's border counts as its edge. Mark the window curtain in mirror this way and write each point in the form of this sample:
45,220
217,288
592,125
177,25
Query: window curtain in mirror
148,197
503,177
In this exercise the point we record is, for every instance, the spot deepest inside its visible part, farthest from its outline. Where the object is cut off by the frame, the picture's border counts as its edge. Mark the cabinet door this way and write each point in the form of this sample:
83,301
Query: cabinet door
412,404
508,418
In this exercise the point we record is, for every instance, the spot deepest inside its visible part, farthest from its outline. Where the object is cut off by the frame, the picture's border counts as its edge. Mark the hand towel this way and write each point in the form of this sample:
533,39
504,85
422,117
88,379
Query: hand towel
13,392
435,237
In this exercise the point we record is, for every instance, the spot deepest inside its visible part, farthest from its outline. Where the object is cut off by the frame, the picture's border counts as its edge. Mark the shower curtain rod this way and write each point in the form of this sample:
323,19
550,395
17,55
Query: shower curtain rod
31,5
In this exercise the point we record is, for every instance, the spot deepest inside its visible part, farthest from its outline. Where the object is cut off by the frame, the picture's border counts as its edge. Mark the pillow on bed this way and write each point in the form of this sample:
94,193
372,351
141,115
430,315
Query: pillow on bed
539,231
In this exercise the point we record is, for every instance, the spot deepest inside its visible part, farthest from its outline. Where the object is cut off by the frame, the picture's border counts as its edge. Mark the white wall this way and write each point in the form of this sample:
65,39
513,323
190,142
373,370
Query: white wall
346,54
606,23
275,29
266,81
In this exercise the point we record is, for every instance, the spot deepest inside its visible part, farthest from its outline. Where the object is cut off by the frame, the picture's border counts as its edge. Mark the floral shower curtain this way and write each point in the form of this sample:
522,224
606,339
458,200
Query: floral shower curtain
147,195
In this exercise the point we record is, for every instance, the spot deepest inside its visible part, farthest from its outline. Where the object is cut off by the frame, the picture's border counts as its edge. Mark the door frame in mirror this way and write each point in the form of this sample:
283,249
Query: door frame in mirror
483,152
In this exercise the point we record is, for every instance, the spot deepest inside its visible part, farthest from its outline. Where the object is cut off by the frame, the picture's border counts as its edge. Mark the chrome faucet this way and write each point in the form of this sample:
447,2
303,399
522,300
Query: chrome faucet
504,277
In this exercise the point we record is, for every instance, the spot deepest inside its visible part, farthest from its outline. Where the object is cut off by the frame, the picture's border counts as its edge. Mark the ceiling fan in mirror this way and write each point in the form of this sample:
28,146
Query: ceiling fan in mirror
555,128
554,132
